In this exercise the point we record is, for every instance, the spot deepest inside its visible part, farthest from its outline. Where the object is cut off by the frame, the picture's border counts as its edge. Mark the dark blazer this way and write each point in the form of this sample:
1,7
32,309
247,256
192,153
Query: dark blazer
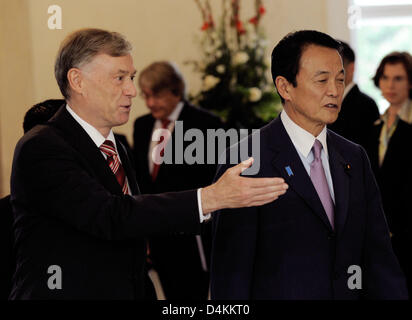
8,264
356,117
176,258
394,178
69,211
287,249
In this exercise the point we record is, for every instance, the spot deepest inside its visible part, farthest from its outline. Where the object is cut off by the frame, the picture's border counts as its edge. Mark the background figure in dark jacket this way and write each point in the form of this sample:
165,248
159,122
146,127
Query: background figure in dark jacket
38,114
358,111
391,153
8,263
180,260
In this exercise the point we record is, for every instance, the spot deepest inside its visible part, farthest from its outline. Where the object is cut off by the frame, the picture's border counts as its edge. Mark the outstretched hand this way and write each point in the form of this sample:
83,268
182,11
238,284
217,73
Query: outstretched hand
235,191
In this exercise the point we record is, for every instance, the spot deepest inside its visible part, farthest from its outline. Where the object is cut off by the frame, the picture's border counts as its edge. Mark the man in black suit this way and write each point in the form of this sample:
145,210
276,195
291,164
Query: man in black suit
180,260
327,237
358,111
79,220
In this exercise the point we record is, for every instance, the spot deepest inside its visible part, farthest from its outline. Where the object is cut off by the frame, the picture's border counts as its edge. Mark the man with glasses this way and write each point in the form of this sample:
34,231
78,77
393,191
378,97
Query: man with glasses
180,260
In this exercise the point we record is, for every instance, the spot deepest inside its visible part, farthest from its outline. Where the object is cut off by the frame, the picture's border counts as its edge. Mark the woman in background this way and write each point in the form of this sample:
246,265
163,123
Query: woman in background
391,153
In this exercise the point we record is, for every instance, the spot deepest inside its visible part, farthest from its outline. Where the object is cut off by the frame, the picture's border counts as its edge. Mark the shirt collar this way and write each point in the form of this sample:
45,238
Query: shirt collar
176,112
93,133
302,139
404,111
347,89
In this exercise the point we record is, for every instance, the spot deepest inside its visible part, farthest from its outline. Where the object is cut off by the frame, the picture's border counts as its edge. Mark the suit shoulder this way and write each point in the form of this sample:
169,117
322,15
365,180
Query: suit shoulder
42,138
346,148
143,119
202,115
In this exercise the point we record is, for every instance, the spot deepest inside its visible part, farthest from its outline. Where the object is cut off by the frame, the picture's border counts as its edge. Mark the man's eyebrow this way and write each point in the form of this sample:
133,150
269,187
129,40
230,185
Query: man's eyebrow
120,71
320,72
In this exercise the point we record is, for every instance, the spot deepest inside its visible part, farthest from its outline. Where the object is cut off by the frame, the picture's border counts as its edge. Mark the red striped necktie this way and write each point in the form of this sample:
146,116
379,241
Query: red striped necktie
114,163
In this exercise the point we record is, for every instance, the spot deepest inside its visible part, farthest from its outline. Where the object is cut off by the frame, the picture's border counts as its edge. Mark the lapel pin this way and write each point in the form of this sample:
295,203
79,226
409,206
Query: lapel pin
289,171
347,167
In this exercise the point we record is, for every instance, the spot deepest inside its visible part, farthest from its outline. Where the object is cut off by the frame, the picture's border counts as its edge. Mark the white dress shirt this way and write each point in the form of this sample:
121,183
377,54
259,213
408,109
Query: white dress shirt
155,140
156,133
303,142
97,137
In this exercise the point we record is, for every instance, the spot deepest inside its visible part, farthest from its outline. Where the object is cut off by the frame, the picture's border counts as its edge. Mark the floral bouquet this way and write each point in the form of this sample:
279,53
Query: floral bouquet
234,68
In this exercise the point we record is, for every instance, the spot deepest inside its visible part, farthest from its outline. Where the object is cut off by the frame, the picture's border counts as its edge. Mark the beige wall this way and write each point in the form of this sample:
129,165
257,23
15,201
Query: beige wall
158,29
16,85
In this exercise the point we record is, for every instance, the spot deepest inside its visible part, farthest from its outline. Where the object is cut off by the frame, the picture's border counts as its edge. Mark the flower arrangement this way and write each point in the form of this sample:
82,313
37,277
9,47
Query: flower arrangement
234,68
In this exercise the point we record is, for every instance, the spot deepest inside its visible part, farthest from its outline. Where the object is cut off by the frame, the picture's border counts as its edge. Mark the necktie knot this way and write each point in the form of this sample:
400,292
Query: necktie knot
108,148
317,149
165,123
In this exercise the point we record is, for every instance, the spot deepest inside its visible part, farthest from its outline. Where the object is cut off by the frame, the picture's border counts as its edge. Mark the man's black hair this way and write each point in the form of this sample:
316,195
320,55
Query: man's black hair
41,112
347,53
287,53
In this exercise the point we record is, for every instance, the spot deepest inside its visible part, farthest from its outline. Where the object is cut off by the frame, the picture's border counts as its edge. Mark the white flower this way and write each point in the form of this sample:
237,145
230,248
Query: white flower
202,65
221,68
209,82
254,94
264,43
240,58
209,49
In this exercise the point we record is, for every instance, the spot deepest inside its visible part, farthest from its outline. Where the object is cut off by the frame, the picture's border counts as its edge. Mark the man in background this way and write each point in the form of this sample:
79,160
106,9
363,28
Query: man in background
180,260
359,111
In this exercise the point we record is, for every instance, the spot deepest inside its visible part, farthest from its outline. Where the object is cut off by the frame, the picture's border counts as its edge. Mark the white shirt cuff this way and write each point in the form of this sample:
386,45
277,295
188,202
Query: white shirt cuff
199,203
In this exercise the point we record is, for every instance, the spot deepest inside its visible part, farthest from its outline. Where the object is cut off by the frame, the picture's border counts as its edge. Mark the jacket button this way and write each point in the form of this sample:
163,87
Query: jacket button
331,236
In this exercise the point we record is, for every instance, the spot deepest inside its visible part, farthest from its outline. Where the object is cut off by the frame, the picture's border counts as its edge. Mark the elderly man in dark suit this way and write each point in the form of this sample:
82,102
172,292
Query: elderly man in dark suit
327,237
180,260
359,111
79,218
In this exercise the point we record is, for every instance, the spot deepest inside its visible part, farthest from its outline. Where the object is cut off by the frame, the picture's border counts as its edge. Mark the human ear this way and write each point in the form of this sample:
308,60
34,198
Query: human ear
283,86
75,79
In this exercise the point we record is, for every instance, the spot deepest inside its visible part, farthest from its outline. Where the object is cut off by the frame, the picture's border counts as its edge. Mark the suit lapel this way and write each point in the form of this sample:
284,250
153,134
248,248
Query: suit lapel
285,157
75,135
340,176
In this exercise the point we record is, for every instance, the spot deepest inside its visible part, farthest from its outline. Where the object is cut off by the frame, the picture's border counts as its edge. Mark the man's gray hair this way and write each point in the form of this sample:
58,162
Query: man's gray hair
81,46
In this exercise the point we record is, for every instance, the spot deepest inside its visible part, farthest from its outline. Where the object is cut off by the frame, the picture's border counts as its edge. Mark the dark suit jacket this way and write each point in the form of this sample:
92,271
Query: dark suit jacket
178,254
394,178
356,117
288,250
69,211
8,263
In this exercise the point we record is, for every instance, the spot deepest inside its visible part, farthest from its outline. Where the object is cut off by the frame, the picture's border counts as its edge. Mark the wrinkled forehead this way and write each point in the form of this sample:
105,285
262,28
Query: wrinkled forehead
317,58
105,62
